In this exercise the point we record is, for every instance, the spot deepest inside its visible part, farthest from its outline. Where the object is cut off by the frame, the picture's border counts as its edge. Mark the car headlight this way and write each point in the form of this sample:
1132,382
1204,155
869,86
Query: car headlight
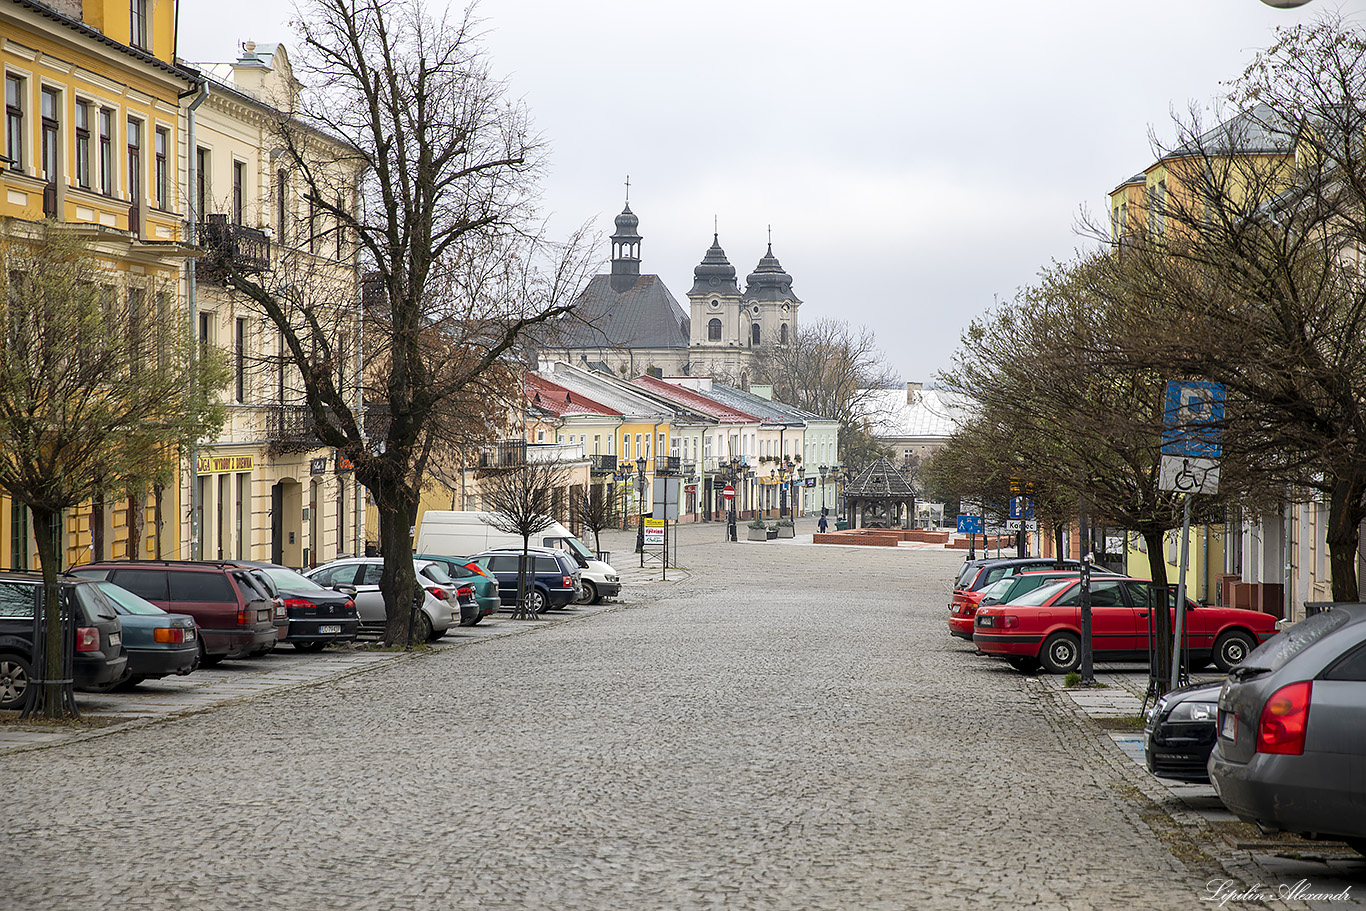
1194,711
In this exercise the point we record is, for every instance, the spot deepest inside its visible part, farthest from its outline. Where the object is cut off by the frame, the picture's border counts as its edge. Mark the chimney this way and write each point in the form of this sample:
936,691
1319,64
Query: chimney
913,392
764,391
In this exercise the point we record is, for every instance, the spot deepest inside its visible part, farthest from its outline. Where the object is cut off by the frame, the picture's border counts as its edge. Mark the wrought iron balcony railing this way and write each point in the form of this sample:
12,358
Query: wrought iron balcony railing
602,464
503,454
245,249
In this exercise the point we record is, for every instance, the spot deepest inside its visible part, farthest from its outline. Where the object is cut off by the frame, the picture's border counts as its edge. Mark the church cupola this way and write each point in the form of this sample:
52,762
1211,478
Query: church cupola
768,281
626,250
715,274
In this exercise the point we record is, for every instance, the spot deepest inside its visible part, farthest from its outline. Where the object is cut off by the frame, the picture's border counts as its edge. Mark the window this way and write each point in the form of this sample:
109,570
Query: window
239,173
106,151
162,189
135,161
754,334
83,144
136,343
14,122
51,149
312,226
714,330
782,334
205,332
201,183
212,588
138,32
281,208
240,361
341,230
18,537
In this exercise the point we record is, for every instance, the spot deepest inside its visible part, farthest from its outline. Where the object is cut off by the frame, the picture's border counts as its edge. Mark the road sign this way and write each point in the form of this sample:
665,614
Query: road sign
1021,507
728,492
654,532
970,525
1192,420
1014,526
1188,475
664,498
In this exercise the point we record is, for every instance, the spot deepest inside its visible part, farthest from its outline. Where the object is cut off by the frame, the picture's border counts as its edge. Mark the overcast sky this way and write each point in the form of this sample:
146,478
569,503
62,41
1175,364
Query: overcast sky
916,160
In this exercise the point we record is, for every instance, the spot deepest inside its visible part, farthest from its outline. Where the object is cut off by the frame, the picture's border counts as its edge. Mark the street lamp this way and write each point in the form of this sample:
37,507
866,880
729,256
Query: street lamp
640,516
801,492
823,469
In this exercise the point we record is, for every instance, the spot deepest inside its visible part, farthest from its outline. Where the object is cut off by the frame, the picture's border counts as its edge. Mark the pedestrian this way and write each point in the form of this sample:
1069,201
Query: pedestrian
823,524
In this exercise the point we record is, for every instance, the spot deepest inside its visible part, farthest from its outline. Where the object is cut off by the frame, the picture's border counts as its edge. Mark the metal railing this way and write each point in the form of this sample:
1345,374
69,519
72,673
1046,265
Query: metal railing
246,249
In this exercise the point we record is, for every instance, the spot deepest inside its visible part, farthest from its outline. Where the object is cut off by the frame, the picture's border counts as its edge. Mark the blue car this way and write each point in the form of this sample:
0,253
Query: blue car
158,643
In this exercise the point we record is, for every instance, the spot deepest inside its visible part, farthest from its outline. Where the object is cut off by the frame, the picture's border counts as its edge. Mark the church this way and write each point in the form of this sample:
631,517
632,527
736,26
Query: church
630,324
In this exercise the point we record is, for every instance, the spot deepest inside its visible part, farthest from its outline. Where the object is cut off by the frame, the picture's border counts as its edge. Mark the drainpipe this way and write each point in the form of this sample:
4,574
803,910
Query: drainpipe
191,237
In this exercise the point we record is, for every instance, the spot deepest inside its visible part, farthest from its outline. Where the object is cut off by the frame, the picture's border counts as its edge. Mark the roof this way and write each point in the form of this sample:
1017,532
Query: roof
644,315
767,410
880,479
620,397
931,413
95,34
696,401
560,401
768,281
1259,131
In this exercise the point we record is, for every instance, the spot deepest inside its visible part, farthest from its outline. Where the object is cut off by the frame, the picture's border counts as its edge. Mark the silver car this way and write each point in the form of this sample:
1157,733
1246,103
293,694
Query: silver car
1292,730
440,608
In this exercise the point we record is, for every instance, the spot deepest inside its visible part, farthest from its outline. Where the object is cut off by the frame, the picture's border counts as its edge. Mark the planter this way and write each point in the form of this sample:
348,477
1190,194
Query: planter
787,531
758,534
772,533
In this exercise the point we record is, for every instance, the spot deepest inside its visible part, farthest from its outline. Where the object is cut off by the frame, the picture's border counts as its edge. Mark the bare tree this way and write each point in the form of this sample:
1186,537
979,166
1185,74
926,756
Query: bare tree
521,501
822,369
99,393
597,510
448,230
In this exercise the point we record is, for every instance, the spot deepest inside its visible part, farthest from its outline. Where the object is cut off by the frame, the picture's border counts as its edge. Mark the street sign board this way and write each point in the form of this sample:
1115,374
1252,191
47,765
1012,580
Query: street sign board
664,499
654,532
1192,420
970,525
728,492
1014,526
1188,475
1022,507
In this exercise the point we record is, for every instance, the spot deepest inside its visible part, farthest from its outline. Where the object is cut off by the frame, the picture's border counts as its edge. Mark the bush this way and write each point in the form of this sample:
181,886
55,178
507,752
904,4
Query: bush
757,523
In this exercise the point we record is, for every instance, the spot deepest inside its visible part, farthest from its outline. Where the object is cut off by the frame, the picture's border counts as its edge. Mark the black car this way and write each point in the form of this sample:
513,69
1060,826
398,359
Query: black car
1180,732
317,615
552,577
98,656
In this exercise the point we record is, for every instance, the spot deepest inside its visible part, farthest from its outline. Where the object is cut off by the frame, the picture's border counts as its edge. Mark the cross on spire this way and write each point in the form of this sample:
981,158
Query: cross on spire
628,189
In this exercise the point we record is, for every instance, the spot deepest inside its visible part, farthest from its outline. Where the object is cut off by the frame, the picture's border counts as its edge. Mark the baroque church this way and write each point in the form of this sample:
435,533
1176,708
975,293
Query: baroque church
630,324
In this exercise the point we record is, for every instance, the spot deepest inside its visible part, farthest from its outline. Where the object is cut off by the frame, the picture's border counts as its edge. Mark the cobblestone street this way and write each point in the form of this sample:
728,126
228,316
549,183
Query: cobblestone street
775,727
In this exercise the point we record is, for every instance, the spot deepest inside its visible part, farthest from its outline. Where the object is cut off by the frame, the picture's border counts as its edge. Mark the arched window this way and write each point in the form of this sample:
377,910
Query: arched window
754,334
782,334
714,330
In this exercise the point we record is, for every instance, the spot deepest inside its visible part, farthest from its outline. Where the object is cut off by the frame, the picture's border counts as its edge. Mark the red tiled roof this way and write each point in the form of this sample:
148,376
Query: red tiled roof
558,400
697,401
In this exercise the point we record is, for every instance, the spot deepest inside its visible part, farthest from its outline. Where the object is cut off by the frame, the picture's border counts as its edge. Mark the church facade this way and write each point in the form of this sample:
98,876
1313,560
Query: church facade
630,324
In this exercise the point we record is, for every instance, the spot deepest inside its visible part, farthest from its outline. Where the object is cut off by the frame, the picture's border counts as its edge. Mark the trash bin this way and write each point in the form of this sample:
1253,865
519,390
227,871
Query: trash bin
841,524
1313,607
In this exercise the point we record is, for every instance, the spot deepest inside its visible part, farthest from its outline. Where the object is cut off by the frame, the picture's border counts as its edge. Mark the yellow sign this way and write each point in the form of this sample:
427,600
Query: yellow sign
221,464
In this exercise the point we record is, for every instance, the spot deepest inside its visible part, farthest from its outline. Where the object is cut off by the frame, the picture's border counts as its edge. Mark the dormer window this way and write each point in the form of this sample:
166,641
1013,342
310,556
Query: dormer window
139,32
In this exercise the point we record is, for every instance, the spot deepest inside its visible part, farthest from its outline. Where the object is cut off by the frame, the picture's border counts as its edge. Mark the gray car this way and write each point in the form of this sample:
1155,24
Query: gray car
440,603
1292,730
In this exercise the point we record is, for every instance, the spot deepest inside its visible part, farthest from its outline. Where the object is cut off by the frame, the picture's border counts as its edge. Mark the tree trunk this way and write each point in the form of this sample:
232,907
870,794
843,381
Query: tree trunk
398,580
56,697
1057,543
1160,615
97,528
137,500
1345,511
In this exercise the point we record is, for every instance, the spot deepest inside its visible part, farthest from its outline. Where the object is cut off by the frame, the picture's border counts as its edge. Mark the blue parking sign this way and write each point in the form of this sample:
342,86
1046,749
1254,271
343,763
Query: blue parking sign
1192,420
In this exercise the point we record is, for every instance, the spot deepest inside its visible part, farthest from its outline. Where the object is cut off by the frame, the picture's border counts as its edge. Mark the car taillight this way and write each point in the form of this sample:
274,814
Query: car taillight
171,636
1284,720
465,592
88,639
567,582
349,605
478,569
245,616
438,592
1009,621
297,602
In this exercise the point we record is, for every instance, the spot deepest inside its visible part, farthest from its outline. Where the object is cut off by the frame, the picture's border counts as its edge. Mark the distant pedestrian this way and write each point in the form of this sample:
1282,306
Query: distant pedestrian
823,524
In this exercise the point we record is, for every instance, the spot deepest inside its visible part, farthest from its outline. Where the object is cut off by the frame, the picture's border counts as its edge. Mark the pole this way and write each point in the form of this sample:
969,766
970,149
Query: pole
1179,631
1088,670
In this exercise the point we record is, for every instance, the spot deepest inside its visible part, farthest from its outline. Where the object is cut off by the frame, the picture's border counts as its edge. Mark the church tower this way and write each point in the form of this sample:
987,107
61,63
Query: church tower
715,300
769,306
626,250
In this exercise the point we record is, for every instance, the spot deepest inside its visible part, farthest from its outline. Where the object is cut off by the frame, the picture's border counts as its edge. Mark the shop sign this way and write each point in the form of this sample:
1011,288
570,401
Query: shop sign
223,464
344,464
318,465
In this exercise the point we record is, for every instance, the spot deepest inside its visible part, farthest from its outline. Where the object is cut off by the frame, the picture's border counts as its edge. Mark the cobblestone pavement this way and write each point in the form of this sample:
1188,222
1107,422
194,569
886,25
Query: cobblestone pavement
778,727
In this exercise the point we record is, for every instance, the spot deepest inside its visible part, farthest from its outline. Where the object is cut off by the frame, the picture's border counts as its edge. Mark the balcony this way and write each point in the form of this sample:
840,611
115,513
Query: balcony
602,464
232,246
504,454
289,428
667,465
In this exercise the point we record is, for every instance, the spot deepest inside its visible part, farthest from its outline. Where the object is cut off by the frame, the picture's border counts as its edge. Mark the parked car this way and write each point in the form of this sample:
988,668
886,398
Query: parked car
1002,591
359,577
1045,626
976,575
465,572
1179,732
1292,730
98,656
552,576
315,616
235,618
158,644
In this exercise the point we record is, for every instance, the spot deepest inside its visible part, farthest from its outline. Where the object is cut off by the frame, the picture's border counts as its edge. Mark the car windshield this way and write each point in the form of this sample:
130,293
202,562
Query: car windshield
125,602
1041,594
289,580
994,592
1280,648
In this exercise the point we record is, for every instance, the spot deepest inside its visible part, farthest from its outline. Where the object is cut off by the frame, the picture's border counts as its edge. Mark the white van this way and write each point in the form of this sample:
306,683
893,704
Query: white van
466,533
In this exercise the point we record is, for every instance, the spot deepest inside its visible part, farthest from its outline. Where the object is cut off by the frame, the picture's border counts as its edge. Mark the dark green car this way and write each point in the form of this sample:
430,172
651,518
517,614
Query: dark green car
485,586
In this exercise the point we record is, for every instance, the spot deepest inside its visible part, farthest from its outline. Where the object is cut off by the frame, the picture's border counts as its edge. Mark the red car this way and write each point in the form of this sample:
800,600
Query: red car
1044,627
1002,591
976,576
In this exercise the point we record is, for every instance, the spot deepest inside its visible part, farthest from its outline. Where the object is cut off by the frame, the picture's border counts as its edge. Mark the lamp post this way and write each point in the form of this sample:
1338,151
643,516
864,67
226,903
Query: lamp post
640,516
823,469
801,492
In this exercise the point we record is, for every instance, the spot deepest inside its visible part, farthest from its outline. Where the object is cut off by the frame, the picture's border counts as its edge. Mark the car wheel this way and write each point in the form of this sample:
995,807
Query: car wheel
132,680
588,593
1023,664
475,621
310,646
15,674
1061,653
205,659
422,627
536,601
1230,649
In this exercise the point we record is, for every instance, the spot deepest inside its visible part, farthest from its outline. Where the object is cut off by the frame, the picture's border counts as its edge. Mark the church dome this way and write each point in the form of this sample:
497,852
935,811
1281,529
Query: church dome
626,224
768,281
715,274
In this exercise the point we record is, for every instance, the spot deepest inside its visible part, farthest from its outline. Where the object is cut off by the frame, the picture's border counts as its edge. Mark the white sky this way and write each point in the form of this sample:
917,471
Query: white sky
916,160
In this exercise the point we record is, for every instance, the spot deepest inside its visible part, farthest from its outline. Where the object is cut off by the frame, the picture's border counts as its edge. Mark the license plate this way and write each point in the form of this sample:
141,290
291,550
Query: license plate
115,639
1228,726
986,621
332,628
262,616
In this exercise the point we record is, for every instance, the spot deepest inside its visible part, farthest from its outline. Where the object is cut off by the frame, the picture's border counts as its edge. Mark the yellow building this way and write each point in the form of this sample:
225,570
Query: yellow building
93,138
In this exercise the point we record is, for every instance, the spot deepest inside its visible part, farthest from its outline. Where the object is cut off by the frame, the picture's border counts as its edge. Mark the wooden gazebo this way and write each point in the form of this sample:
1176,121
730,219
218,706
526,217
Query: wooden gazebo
879,496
